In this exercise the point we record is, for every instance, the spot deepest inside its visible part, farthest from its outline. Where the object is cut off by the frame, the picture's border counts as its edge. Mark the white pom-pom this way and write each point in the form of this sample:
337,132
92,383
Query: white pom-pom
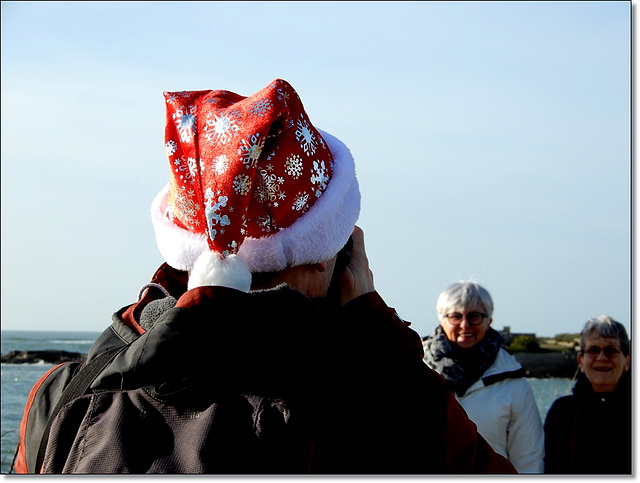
211,269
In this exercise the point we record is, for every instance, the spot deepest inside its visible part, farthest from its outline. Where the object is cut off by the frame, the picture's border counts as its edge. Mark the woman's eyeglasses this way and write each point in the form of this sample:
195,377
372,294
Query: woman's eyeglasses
474,318
609,352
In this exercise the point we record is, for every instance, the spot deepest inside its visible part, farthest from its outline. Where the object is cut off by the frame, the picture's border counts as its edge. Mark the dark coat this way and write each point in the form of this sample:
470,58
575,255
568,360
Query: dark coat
268,382
589,432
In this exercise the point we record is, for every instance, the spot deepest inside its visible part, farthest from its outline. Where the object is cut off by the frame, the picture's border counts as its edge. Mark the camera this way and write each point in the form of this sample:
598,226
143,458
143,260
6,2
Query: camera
342,260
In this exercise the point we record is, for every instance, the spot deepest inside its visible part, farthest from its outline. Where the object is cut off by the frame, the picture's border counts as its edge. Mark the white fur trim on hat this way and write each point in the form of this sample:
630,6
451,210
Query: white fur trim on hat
211,269
316,236
180,248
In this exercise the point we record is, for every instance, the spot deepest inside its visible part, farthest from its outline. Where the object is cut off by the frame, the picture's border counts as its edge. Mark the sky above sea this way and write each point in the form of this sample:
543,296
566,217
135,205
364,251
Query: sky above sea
492,142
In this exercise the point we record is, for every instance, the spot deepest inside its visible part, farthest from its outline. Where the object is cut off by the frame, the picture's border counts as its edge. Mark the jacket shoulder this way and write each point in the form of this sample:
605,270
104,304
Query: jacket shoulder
46,393
505,362
562,406
38,409
504,368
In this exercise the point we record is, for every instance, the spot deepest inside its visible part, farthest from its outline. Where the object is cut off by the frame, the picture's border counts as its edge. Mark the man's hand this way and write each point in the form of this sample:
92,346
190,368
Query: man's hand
357,279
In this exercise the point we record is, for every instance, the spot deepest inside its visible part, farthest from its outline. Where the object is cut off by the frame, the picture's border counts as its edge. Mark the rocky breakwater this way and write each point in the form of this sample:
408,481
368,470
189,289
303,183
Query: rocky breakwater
548,364
46,356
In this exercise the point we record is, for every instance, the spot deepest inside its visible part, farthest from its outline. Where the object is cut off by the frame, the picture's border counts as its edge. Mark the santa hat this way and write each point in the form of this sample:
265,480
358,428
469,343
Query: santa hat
254,186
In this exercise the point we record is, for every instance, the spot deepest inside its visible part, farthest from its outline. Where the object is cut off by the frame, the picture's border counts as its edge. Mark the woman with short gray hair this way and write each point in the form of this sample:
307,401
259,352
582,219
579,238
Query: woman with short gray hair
487,381
589,432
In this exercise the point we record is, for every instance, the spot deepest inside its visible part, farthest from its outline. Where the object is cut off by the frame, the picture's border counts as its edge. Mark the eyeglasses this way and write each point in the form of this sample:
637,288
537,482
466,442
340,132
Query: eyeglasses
474,318
609,352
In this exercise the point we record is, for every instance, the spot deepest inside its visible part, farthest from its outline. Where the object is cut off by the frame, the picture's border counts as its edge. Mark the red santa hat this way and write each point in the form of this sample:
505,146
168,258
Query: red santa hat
254,186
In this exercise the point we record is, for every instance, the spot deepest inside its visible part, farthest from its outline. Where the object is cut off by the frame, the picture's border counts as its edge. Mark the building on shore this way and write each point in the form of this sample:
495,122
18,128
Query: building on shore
509,336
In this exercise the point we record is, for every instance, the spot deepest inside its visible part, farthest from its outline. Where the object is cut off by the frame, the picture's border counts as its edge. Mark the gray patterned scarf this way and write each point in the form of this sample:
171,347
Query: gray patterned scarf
461,367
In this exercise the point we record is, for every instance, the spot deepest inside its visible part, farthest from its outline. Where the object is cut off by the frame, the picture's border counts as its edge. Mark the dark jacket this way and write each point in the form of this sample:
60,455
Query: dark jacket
589,432
265,382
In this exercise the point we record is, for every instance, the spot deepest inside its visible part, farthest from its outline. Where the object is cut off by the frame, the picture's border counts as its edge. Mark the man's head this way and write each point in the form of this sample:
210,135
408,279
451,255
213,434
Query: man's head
254,187
312,279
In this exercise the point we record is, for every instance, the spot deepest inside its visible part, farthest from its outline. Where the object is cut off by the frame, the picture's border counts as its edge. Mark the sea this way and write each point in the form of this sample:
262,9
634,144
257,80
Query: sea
18,379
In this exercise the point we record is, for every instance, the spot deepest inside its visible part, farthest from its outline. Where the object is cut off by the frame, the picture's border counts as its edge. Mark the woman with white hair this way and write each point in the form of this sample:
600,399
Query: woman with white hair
589,432
487,380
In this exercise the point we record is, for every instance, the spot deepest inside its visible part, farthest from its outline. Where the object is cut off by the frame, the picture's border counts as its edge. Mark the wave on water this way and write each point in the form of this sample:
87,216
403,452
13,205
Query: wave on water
72,341
40,362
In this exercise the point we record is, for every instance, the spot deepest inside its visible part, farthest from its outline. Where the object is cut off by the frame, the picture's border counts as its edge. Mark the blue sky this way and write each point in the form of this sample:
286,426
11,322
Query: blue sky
492,142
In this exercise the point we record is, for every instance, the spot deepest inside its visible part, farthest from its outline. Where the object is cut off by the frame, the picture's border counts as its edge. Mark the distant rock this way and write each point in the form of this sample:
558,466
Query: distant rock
550,364
47,356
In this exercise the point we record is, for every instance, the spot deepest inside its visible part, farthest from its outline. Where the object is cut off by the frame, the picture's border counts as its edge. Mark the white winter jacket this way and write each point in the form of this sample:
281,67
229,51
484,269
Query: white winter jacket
507,415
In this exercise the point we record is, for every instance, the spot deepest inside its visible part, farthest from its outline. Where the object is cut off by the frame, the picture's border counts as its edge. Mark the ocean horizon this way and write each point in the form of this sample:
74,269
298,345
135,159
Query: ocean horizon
72,341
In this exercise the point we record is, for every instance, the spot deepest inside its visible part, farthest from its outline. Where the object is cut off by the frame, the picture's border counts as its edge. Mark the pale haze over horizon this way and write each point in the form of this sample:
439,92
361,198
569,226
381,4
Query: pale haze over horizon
492,142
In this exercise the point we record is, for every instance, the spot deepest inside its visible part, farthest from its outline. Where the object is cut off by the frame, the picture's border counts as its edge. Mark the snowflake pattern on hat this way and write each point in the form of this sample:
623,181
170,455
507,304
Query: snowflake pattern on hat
242,166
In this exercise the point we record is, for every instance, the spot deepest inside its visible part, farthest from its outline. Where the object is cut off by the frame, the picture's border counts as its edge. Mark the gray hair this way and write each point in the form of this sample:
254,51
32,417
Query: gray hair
604,326
462,295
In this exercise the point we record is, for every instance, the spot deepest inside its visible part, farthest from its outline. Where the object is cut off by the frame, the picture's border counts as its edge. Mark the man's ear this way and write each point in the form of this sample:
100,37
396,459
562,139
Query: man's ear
321,267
